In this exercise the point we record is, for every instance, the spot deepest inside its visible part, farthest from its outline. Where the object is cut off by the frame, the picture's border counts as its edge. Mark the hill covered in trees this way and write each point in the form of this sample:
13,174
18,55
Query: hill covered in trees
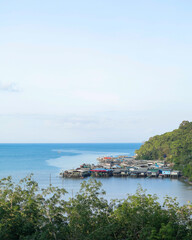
174,147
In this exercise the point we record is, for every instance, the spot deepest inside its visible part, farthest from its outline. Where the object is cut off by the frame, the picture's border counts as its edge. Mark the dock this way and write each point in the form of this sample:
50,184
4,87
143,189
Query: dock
123,166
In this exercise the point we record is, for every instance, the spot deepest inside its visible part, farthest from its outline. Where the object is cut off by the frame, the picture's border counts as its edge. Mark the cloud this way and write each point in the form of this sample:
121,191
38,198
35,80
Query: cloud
70,121
9,87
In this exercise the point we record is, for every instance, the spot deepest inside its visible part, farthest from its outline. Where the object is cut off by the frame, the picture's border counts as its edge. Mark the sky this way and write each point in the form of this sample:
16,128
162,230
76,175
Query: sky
94,71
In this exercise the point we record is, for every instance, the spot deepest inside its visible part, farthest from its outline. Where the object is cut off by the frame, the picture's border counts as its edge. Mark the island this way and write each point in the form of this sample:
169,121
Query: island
174,147
166,155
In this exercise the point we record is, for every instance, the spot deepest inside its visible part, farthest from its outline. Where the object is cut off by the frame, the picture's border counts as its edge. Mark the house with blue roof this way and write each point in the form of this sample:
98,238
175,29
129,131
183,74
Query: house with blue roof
165,171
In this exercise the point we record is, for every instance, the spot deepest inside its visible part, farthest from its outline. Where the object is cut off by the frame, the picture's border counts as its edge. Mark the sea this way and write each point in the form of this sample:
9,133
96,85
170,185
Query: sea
46,161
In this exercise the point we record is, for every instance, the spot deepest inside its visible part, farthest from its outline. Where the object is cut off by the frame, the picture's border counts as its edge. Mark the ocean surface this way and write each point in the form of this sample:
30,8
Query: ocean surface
46,161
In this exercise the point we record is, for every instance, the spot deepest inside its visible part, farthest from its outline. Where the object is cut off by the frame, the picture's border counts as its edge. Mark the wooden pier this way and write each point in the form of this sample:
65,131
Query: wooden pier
123,166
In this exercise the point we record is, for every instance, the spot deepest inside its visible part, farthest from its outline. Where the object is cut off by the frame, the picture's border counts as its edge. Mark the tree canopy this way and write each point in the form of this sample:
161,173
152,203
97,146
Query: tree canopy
174,147
28,213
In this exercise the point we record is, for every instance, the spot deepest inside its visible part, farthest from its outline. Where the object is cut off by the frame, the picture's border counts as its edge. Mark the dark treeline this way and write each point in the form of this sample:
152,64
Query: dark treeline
29,214
175,147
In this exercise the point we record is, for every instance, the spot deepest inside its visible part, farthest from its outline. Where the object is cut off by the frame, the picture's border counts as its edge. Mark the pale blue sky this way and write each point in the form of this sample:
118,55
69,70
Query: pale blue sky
94,71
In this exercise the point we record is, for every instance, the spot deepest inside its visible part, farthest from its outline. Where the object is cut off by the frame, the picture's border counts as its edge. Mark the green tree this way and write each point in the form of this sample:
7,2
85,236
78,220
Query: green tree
28,213
176,145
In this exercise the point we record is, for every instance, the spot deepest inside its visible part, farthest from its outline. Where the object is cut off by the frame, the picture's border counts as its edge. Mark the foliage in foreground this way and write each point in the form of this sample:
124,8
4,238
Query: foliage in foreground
175,145
27,213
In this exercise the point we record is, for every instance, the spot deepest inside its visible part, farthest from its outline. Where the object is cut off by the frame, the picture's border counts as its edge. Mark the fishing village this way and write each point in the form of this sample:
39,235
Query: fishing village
123,166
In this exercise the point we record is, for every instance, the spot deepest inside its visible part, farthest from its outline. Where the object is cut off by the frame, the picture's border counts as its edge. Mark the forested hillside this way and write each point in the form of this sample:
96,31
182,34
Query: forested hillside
175,147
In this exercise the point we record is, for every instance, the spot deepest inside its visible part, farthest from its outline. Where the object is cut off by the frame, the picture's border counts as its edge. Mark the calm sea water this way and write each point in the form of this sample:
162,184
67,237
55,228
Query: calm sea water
47,160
